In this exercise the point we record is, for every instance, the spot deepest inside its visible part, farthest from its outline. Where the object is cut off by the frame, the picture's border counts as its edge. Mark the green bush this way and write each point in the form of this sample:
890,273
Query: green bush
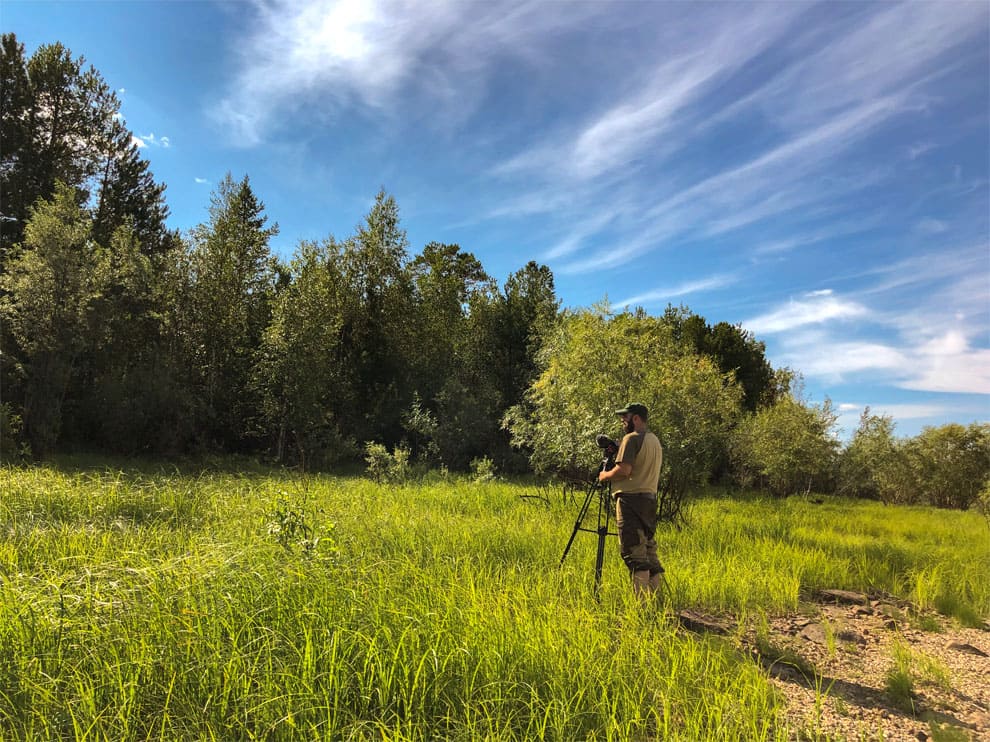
12,445
875,464
387,467
786,447
951,463
983,501
483,470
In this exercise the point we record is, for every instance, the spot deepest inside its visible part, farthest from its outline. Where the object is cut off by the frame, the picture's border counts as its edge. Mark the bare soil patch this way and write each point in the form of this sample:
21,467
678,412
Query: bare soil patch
834,662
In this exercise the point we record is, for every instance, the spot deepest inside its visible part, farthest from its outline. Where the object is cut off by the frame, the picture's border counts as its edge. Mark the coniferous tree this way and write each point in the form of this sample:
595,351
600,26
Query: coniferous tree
129,195
61,122
123,396
734,349
445,281
508,329
233,275
377,334
16,138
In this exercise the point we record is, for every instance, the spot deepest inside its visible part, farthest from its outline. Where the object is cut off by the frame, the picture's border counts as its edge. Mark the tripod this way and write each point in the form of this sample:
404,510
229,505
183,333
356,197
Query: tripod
602,492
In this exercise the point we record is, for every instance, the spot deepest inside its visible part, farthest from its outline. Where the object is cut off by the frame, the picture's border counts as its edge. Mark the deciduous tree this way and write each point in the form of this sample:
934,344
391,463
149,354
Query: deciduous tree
597,362
951,463
786,447
48,294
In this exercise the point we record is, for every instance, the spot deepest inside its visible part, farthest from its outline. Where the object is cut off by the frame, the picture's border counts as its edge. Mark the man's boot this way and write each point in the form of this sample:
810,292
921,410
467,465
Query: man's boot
641,583
655,581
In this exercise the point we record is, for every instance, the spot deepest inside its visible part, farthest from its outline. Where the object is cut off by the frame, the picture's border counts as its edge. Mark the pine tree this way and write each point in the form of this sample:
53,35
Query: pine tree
61,122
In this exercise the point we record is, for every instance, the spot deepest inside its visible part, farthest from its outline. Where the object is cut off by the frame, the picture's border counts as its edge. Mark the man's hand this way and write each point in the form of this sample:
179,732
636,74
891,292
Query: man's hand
619,471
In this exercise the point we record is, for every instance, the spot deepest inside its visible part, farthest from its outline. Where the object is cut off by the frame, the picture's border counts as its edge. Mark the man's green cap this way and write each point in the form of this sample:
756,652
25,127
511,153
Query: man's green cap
634,408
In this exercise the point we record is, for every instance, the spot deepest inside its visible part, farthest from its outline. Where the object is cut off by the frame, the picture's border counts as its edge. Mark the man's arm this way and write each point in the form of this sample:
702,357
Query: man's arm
619,471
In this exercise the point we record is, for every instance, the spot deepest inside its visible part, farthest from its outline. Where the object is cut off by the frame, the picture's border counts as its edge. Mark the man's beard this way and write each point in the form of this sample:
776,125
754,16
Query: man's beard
629,426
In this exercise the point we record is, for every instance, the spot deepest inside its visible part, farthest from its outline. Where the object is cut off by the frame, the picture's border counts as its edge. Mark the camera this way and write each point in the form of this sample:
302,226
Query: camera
609,451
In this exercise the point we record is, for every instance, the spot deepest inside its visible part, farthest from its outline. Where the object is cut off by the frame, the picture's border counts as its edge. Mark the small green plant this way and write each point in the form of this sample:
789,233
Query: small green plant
289,524
830,642
927,622
947,733
899,682
933,670
841,707
384,466
483,470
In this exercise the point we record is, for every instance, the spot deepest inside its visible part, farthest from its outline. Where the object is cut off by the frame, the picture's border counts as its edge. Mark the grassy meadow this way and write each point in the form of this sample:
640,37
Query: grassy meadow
139,605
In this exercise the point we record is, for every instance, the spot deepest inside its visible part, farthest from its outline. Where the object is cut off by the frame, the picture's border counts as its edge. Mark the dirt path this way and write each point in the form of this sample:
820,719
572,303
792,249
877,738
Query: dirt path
853,667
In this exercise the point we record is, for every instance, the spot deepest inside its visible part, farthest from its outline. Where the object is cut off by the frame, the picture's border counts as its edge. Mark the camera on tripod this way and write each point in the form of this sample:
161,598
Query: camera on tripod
610,450
600,492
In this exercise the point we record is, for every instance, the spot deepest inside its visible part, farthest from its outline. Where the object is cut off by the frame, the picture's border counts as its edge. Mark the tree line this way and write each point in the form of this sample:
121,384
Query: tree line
122,336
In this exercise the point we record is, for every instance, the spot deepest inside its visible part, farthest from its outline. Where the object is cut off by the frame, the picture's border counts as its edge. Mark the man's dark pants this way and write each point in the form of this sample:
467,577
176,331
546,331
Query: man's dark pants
636,518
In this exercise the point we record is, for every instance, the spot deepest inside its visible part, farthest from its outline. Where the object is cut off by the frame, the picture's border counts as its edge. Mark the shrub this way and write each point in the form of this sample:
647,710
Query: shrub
384,466
292,526
983,501
786,446
12,446
595,363
483,470
875,464
951,463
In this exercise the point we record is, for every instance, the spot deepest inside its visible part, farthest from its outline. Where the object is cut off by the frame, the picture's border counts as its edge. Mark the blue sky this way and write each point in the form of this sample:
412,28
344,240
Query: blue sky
819,173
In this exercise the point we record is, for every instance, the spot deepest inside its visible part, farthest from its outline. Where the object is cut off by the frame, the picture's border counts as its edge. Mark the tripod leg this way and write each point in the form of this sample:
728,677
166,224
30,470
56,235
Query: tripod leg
600,559
604,514
577,524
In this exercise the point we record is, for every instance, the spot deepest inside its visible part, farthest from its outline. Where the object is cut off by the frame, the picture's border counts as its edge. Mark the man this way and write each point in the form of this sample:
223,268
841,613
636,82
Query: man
635,478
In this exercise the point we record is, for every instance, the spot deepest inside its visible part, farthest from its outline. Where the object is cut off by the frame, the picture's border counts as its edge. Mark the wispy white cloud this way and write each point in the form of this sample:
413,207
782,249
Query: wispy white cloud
926,367
201,181
931,226
327,54
833,358
762,183
849,413
664,295
958,262
937,345
917,150
580,233
948,364
815,308
812,236
838,87
145,140
699,52
909,411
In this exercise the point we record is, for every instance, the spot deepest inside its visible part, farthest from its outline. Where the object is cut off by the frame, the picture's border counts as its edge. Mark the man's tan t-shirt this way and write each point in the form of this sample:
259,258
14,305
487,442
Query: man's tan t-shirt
644,453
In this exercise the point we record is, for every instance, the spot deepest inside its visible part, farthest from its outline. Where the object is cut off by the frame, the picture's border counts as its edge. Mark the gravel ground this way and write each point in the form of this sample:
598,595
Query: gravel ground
833,660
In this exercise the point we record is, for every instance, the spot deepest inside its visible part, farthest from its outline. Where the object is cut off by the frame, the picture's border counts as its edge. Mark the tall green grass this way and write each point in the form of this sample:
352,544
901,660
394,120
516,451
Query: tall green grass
161,606
743,554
